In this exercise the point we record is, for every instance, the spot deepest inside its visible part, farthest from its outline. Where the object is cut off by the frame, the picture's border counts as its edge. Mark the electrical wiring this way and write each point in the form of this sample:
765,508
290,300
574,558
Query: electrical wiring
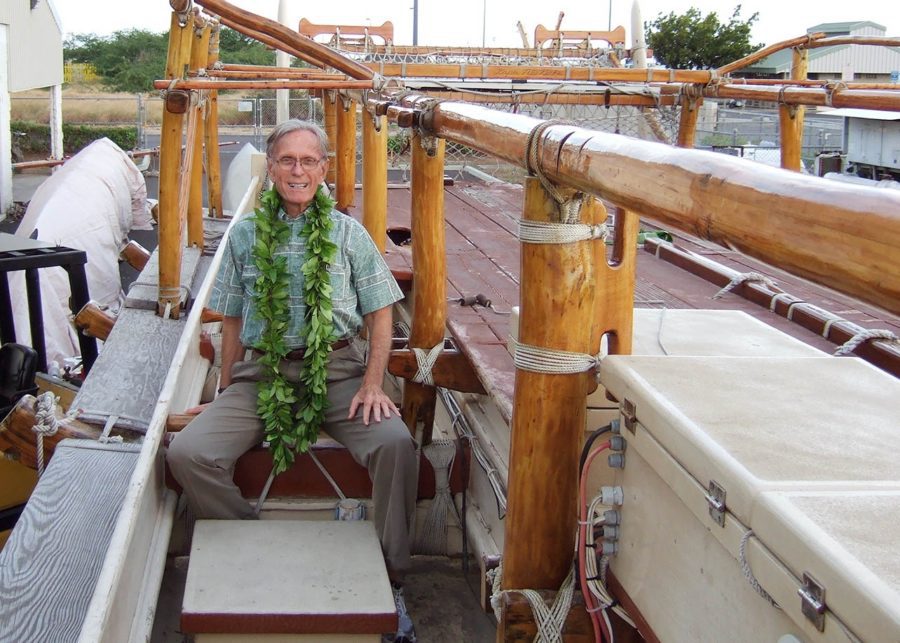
602,630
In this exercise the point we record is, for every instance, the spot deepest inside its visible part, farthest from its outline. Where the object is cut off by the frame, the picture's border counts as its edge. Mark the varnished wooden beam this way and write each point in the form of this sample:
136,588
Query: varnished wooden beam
345,154
211,134
330,106
451,371
791,117
199,58
374,185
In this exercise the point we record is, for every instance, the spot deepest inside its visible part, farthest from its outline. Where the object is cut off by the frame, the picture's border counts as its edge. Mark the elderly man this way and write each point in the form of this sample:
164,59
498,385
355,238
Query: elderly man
358,413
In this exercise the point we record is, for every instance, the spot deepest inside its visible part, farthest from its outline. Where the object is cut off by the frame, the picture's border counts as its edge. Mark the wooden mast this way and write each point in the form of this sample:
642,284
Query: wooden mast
430,266
329,105
199,57
171,223
687,123
557,311
211,132
346,152
375,131
791,116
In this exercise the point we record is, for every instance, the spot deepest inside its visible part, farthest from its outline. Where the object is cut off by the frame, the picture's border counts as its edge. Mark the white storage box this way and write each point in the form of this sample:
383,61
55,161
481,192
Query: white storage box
803,452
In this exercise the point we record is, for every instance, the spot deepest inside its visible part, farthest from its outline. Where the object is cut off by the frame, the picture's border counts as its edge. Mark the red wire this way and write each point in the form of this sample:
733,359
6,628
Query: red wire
598,623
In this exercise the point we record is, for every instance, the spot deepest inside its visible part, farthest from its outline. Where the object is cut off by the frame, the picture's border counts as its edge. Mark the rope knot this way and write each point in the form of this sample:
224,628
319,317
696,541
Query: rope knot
426,359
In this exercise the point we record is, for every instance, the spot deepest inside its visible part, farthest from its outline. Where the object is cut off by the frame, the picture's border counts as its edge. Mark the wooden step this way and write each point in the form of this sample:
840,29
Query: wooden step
288,580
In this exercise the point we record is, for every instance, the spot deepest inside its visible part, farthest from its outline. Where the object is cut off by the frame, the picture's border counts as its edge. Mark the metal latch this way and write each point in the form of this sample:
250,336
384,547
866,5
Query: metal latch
629,414
812,601
716,500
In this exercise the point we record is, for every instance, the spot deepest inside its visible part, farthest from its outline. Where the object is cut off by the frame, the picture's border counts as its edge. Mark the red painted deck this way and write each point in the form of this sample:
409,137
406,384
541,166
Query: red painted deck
483,258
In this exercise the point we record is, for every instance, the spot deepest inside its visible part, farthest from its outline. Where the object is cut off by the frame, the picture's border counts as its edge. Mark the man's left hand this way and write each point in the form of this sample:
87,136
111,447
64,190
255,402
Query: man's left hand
374,402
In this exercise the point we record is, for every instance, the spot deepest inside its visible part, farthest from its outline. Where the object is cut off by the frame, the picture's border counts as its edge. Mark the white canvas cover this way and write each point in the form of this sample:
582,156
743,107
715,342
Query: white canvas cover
90,204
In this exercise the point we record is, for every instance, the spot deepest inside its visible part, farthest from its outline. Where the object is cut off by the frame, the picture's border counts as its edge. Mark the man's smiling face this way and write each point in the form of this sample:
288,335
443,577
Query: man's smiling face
295,183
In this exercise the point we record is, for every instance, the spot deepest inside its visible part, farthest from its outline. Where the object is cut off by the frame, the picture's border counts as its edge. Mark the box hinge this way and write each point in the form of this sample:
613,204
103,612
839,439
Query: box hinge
812,601
716,500
629,414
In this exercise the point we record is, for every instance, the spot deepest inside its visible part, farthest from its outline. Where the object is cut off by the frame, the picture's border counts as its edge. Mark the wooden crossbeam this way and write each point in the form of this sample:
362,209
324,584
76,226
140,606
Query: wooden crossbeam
452,370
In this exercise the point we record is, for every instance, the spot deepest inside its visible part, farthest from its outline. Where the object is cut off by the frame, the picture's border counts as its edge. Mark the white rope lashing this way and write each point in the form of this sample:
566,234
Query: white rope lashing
432,536
751,277
45,424
569,209
748,573
426,359
866,336
548,360
558,233
549,620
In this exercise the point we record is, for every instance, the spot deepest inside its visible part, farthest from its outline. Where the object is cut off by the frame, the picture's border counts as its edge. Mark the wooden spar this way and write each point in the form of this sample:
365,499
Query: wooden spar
560,97
452,370
281,34
374,183
187,181
557,312
840,235
429,254
829,96
199,58
294,74
791,117
833,41
266,84
211,133
687,123
346,152
330,107
17,439
756,56
808,83
171,222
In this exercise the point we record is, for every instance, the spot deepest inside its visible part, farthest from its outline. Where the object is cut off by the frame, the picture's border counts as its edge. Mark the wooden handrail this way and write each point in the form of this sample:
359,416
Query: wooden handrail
838,235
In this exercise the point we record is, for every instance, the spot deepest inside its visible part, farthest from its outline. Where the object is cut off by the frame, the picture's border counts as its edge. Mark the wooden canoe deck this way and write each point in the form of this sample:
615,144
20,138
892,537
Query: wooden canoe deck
483,258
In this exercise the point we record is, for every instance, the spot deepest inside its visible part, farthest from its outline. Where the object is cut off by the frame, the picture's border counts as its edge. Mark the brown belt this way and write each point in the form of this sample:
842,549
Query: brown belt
298,354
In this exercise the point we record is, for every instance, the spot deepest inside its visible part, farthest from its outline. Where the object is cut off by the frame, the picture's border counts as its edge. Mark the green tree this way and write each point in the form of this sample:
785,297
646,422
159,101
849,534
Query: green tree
693,41
128,61
236,48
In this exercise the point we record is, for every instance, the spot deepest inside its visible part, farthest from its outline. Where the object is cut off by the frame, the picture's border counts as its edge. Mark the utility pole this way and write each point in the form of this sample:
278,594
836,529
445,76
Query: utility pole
415,22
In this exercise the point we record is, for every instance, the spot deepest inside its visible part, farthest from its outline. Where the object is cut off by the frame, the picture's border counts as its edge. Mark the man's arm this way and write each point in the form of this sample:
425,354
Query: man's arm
232,349
371,396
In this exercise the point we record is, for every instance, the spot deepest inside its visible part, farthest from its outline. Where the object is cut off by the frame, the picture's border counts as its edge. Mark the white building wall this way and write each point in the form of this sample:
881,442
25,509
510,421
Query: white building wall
6,195
35,53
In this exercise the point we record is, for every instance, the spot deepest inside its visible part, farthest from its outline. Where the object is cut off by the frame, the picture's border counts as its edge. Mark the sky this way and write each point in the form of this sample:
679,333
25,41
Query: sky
467,22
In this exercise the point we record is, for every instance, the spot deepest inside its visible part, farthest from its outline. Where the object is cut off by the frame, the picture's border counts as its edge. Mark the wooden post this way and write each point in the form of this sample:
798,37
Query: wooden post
329,103
687,123
375,131
614,295
211,132
171,224
792,116
199,56
346,152
557,300
429,262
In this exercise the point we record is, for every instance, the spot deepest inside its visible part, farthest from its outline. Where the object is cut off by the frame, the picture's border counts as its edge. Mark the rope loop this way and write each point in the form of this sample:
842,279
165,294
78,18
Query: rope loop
737,280
538,359
569,209
864,336
748,573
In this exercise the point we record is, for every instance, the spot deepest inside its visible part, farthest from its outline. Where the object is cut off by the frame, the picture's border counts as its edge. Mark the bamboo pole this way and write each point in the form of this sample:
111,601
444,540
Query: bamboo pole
429,262
375,177
329,105
292,74
171,223
281,34
791,117
346,152
840,235
687,123
211,133
199,58
557,308
830,96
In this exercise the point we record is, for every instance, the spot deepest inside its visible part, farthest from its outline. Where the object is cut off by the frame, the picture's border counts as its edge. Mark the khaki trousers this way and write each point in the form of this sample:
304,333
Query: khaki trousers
202,456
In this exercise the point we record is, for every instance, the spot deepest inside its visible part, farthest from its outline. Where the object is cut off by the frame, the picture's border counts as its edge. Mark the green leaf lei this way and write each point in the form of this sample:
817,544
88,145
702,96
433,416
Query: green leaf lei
292,415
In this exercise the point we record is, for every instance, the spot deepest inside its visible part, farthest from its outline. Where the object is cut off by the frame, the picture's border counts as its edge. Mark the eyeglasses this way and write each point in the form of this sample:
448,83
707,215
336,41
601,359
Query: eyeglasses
307,162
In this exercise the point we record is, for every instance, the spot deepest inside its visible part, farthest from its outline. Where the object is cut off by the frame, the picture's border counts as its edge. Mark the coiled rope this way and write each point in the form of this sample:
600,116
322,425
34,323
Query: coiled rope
45,424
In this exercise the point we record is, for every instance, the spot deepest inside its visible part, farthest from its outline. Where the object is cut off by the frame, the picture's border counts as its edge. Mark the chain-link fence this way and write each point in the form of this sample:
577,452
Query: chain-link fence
750,132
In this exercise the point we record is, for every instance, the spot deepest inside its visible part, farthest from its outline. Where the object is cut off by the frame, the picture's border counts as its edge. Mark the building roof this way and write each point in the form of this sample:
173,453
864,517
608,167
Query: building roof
781,61
843,27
